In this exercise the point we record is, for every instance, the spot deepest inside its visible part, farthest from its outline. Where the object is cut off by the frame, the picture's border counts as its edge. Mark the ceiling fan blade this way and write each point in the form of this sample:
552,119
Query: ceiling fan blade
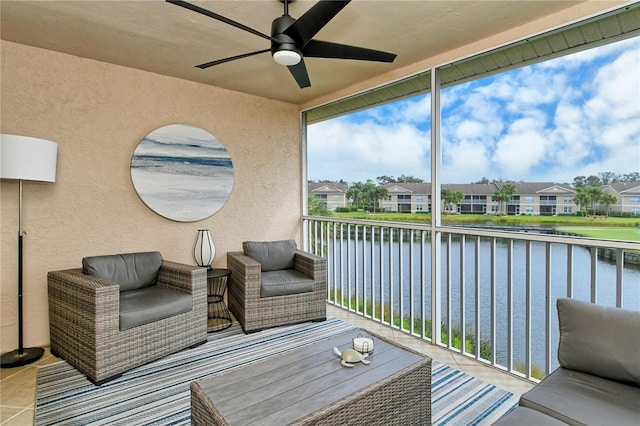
299,72
326,49
232,58
220,18
314,20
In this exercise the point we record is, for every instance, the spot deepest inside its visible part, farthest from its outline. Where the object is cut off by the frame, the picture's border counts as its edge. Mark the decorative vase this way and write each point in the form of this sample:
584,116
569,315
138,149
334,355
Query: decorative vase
203,249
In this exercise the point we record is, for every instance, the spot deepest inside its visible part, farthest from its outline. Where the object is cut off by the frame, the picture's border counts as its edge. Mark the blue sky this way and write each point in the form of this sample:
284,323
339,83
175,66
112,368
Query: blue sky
553,121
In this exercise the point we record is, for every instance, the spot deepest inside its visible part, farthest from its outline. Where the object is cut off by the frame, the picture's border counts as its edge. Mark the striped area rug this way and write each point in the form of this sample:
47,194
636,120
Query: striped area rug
158,393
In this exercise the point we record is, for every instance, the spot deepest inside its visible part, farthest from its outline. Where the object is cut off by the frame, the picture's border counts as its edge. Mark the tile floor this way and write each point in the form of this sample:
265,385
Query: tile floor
17,385
18,391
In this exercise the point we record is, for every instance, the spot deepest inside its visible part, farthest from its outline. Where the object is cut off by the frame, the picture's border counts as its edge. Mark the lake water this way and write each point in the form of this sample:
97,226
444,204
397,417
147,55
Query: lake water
605,273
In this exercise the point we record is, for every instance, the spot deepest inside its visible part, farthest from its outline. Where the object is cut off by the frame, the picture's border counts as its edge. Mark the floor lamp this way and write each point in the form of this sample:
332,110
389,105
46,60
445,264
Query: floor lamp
25,158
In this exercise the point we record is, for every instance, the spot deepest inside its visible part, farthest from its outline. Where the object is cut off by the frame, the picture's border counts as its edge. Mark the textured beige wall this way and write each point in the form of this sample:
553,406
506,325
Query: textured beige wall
98,113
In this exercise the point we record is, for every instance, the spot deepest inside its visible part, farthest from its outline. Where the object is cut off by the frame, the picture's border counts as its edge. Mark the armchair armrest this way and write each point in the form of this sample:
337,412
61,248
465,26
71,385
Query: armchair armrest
83,306
244,270
311,265
185,278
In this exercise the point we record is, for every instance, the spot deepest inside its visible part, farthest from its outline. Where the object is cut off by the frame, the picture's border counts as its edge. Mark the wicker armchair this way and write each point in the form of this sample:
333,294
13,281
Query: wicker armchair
255,311
85,323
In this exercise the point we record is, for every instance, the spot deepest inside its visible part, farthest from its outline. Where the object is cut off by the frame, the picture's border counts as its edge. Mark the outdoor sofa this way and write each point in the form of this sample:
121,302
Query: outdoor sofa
598,381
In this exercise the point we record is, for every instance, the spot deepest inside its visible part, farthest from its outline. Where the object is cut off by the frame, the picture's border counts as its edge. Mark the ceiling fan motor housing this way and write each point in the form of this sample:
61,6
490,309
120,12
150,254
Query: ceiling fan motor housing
287,43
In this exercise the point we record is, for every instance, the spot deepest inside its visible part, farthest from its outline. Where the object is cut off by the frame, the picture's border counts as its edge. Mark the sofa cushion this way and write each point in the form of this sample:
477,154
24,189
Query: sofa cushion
284,282
599,340
575,397
272,255
521,416
132,270
149,304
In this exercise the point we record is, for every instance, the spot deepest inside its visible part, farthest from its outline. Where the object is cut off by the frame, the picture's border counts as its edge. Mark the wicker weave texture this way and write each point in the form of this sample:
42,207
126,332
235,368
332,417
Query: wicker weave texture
402,399
84,321
256,313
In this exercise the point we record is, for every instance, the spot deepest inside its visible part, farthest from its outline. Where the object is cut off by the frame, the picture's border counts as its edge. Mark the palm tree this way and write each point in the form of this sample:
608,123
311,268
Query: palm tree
456,197
582,199
369,193
503,196
380,193
446,196
316,207
356,193
595,193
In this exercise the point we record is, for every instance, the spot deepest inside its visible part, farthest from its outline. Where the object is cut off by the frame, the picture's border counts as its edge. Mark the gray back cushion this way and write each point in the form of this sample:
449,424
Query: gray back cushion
272,255
599,340
132,270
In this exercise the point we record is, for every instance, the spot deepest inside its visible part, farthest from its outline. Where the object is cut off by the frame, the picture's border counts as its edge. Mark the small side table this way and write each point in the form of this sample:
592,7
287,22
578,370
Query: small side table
216,308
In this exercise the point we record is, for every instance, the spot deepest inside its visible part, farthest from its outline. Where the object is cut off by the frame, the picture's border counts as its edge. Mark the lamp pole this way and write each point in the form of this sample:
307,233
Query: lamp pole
22,355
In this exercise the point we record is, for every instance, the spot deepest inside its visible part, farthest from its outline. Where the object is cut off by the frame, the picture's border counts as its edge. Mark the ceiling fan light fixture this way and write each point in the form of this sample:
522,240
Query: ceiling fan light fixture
287,57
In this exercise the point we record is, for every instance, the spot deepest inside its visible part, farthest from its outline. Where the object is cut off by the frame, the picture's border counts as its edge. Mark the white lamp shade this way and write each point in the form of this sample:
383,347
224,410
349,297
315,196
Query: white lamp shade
203,249
27,158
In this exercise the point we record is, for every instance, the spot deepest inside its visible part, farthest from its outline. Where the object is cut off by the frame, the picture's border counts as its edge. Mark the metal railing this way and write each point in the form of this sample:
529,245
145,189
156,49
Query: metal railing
496,298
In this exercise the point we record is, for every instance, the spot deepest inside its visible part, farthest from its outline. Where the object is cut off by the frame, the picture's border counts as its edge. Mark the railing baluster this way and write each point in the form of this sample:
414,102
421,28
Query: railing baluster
570,270
619,277
477,297
366,312
373,274
391,263
336,264
423,291
547,312
382,298
401,277
527,355
463,326
594,274
494,345
449,289
411,296
510,305
350,284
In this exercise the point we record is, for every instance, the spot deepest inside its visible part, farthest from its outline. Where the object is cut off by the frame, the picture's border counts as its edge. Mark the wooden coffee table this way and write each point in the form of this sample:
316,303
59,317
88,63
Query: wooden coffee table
309,386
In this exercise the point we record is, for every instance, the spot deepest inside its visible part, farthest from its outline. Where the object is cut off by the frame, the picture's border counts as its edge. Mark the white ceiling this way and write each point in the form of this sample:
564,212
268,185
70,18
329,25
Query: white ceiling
163,38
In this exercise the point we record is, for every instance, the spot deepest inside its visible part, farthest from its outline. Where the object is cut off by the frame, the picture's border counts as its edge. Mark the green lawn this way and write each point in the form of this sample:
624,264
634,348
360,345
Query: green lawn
612,228
609,233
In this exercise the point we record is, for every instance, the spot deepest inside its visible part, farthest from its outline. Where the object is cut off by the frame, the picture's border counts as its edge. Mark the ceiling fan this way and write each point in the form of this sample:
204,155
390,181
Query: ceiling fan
292,39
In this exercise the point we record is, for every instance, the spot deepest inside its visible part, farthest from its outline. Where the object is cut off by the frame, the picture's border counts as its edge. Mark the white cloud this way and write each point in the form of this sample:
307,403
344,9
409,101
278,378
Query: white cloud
575,115
521,149
357,152
466,159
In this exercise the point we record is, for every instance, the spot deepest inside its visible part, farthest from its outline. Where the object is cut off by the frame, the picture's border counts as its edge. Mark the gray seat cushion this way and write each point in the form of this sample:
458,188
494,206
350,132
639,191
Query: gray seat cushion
575,397
599,340
284,282
272,255
149,304
132,270
522,416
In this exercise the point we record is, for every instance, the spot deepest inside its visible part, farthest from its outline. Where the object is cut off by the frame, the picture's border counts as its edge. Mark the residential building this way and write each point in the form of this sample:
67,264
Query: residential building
627,194
331,194
533,198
